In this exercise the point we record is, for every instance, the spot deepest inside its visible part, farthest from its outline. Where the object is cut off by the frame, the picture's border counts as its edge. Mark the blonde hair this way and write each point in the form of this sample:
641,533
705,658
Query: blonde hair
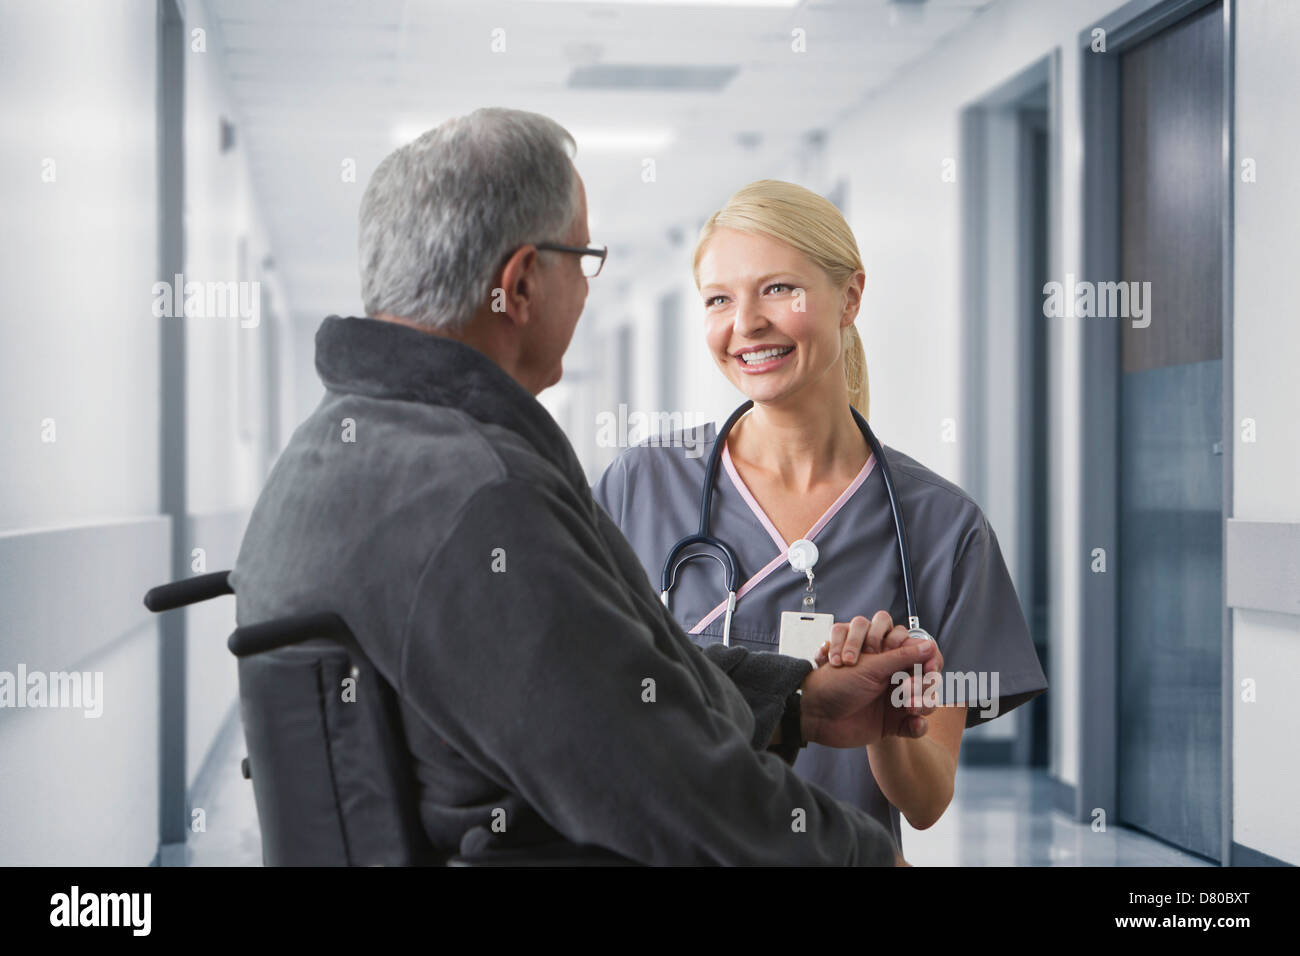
811,224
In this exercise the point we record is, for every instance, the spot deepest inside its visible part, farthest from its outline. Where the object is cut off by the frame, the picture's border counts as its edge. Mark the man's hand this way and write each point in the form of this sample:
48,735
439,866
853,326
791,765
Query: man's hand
849,706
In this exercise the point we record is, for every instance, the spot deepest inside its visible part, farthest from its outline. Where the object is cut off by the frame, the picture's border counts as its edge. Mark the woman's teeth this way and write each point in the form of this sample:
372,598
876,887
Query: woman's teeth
765,355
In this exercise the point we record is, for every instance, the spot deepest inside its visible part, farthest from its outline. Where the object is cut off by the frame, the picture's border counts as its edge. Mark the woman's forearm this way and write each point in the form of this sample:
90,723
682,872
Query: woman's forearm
916,775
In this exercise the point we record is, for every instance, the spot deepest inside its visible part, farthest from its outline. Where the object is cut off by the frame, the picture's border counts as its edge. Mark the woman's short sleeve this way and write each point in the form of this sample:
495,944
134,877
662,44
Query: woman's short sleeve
610,490
984,636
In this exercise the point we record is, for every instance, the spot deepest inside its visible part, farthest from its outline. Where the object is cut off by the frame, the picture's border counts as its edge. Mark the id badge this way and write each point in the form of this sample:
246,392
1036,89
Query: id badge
802,634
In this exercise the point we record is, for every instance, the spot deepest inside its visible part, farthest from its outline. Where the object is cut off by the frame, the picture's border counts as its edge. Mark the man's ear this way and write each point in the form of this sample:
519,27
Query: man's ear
515,294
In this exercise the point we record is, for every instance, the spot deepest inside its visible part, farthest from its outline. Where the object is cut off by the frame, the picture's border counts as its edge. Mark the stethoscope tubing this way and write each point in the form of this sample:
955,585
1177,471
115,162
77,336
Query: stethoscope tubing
900,527
731,564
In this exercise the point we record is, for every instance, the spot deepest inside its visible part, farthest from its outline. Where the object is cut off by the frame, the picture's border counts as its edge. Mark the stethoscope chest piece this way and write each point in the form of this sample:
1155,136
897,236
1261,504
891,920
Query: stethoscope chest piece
915,630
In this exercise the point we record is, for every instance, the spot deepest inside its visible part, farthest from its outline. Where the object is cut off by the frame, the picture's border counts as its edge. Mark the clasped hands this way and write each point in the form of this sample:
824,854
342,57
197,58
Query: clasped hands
847,697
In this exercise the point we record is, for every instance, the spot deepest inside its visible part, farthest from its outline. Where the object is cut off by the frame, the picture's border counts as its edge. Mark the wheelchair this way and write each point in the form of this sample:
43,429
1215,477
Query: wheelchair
332,779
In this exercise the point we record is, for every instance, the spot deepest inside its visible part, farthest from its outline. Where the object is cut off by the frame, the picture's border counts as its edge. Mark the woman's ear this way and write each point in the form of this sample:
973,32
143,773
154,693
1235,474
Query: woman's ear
853,298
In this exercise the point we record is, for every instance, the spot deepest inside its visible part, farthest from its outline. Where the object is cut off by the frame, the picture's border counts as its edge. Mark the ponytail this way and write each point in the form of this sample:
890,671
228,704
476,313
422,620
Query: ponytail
855,369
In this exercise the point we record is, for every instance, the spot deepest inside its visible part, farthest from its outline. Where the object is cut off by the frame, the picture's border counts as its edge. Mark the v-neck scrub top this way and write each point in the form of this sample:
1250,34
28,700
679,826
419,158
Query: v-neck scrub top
964,593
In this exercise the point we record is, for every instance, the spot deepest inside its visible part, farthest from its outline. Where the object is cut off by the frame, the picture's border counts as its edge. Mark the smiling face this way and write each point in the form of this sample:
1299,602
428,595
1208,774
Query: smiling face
774,316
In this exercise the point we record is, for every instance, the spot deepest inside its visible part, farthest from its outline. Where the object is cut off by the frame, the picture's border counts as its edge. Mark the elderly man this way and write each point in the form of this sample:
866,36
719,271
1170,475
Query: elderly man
548,698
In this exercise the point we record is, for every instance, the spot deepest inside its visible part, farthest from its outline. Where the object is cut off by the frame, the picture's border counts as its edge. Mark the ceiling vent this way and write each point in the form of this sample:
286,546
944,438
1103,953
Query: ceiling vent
621,76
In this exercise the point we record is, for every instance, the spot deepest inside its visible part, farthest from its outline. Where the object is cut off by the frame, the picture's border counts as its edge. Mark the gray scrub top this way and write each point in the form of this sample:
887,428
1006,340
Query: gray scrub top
965,597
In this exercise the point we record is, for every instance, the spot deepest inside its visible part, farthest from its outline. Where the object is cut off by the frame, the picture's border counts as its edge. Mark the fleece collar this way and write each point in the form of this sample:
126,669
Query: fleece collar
382,359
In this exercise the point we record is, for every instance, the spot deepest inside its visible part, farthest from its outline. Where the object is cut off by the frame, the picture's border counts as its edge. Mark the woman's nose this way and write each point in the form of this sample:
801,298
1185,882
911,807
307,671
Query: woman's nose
749,316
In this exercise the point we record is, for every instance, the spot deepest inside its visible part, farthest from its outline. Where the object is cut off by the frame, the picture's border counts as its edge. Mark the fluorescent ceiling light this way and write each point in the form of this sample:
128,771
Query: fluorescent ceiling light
611,140
682,3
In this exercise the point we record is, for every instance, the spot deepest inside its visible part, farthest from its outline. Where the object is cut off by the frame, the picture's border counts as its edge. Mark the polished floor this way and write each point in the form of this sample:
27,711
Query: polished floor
999,817
1003,816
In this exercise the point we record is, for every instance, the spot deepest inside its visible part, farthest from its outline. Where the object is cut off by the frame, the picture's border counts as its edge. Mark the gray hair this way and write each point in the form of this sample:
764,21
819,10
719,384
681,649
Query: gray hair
441,214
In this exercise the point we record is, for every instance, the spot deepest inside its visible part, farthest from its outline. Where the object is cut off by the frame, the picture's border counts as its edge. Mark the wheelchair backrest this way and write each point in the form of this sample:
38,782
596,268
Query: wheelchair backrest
327,753
331,771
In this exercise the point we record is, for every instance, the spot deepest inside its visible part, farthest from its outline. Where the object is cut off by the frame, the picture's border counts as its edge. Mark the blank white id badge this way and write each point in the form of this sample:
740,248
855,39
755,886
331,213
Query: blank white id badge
803,634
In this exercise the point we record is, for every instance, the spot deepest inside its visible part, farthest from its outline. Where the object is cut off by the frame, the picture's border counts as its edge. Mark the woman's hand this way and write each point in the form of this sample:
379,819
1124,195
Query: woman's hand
849,641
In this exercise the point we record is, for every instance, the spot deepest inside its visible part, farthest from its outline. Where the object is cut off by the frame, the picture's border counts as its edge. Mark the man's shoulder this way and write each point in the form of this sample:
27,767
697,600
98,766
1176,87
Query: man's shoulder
367,483
431,448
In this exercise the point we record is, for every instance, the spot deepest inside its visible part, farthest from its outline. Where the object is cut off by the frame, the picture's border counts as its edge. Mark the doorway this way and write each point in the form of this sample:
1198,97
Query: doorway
1170,431
1008,163
1156,226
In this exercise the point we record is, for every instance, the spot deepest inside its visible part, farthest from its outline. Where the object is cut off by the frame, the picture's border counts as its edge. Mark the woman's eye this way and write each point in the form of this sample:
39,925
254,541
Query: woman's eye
708,303
780,285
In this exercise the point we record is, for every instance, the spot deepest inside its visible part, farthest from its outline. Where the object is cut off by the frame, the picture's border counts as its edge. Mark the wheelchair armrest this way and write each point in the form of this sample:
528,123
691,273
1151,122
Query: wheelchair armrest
269,635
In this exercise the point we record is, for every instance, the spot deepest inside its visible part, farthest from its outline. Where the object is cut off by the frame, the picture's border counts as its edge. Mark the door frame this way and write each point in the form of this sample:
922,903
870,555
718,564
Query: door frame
1124,28
173,817
990,124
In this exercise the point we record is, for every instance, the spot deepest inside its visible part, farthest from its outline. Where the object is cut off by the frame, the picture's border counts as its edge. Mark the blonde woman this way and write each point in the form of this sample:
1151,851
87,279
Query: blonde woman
780,281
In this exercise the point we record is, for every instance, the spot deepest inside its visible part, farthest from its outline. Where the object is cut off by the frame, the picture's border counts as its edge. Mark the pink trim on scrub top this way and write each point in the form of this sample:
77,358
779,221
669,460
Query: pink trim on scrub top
750,500
766,522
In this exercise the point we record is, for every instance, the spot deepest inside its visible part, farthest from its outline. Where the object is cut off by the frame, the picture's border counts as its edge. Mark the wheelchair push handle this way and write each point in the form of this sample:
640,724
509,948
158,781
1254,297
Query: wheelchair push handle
187,591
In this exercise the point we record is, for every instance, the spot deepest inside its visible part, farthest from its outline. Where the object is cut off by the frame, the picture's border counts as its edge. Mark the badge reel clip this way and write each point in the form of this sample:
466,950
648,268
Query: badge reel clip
803,632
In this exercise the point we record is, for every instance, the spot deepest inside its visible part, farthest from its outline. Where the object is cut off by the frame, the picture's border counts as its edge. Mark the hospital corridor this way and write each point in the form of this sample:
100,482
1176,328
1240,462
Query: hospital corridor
568,433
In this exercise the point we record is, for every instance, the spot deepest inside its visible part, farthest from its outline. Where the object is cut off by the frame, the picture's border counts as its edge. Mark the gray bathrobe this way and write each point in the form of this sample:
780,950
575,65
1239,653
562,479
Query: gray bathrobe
547,695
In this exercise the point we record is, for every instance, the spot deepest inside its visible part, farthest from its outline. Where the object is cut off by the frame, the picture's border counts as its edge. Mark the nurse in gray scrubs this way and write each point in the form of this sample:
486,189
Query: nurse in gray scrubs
780,281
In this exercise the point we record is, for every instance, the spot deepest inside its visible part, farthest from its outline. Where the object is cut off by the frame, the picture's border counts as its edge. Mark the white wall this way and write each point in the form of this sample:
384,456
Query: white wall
78,345
1266,472
77,341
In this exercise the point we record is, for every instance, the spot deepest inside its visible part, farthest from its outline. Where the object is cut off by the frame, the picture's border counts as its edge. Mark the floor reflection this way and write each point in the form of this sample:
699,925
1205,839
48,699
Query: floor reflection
1000,816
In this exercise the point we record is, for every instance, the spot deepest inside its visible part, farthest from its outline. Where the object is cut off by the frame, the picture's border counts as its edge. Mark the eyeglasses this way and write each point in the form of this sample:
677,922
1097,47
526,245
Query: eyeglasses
593,257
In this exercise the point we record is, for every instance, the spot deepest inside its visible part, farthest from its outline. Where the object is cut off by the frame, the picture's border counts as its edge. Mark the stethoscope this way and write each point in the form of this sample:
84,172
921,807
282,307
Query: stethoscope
730,563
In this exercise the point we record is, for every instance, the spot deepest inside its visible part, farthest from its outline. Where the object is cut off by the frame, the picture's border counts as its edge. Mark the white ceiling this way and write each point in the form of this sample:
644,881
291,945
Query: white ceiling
316,82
